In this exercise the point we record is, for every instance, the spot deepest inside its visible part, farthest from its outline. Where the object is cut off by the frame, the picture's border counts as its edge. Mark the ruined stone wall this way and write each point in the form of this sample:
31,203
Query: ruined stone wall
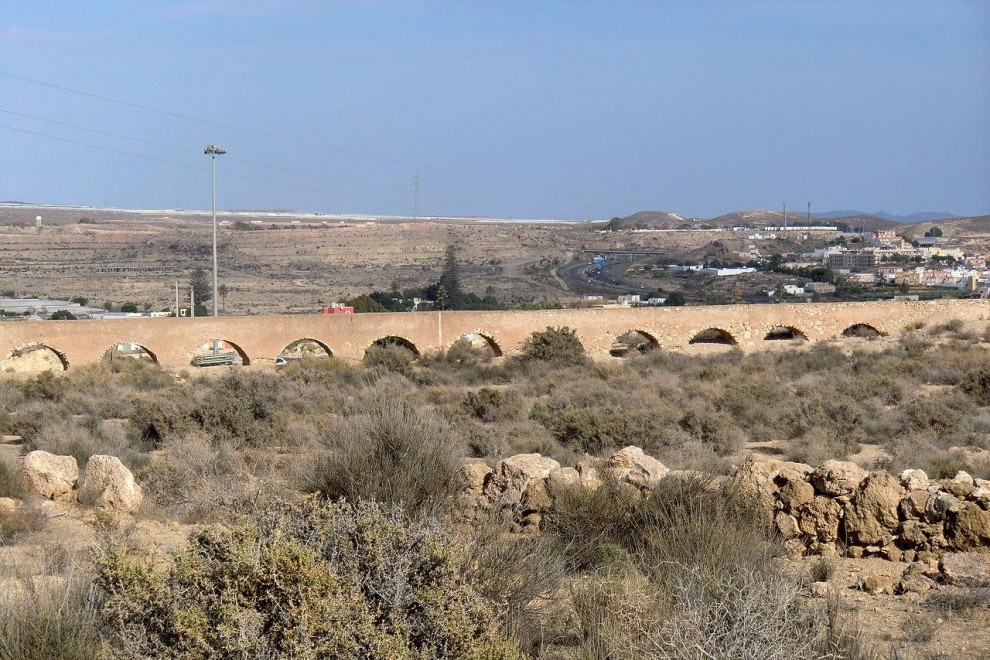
260,339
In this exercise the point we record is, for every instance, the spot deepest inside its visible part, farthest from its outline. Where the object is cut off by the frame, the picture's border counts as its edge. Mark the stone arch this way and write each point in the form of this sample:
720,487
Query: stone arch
785,333
126,350
633,342
862,331
395,340
714,336
226,347
305,347
34,357
480,340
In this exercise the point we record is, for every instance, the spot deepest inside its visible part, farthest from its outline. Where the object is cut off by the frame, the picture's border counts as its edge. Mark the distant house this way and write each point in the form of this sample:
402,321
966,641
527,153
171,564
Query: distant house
852,260
629,299
819,287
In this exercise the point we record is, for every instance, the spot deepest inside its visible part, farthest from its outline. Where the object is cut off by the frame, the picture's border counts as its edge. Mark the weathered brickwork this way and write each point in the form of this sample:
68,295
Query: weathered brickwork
260,339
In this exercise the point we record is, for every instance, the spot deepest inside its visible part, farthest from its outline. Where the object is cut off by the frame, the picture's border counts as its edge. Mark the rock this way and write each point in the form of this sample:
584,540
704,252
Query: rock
794,548
820,519
940,504
757,475
837,478
969,529
981,495
877,584
960,485
9,505
914,534
872,513
854,552
796,493
563,477
915,581
48,475
966,569
635,467
820,590
110,485
913,506
536,497
914,479
892,553
512,475
787,524
472,476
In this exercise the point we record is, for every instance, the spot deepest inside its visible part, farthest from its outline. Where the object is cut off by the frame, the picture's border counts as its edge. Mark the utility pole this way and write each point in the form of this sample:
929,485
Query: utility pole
416,195
192,303
809,212
785,217
213,150
177,299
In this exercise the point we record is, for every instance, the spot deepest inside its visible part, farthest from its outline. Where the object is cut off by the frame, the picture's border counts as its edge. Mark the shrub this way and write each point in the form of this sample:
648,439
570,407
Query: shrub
10,482
55,617
305,580
491,405
390,357
559,346
976,384
23,520
391,451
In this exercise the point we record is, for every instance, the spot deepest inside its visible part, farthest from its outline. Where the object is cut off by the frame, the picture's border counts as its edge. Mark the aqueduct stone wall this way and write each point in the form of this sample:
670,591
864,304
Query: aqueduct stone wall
173,341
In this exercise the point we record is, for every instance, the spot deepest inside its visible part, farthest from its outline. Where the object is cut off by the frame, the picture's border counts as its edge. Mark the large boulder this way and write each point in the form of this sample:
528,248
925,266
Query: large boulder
834,478
108,484
914,479
960,485
872,512
633,466
967,569
512,476
757,477
795,493
820,519
940,504
472,476
50,476
969,529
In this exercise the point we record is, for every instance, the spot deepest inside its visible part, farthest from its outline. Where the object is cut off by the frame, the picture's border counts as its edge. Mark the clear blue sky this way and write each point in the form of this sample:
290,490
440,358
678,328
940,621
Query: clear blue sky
510,108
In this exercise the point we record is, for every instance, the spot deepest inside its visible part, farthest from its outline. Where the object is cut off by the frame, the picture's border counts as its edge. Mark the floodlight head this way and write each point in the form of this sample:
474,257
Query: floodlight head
213,150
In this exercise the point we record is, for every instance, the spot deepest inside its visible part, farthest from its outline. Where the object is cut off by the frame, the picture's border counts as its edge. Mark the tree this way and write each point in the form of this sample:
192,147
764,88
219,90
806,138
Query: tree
450,279
934,232
62,315
365,303
223,291
201,286
129,307
79,300
675,299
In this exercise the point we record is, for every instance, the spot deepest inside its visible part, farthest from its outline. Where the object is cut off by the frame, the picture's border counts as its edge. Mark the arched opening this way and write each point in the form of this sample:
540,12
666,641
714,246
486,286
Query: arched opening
128,350
785,333
392,354
714,336
633,342
303,349
862,331
34,358
397,342
474,346
219,353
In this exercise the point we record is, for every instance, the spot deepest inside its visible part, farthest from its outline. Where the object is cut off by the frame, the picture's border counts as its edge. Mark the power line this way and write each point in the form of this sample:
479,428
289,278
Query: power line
276,167
315,145
201,169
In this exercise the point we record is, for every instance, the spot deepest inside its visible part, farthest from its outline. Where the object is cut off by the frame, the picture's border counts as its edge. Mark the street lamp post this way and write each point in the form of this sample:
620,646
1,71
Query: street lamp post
213,151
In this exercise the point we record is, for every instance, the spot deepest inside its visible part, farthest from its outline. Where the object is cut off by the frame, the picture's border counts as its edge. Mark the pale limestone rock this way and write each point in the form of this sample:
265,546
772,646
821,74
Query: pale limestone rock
634,466
966,569
472,476
48,475
512,476
960,485
914,479
108,484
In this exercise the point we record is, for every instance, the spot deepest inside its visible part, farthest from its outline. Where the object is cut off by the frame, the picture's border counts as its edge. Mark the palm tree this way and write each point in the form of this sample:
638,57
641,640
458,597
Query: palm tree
222,290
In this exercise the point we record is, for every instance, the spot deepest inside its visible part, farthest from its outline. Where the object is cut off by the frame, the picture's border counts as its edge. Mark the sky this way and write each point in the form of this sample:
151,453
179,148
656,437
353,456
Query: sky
567,109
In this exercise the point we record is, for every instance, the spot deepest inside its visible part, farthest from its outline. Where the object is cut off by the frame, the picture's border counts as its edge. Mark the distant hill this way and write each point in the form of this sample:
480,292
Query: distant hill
923,216
971,227
647,220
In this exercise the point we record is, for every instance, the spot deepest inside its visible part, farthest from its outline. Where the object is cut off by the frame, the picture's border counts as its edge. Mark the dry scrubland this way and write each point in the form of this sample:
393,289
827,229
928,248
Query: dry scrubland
319,511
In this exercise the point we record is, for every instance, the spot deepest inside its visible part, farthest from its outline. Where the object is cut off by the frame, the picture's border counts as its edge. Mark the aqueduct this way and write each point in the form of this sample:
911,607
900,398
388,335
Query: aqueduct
172,342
